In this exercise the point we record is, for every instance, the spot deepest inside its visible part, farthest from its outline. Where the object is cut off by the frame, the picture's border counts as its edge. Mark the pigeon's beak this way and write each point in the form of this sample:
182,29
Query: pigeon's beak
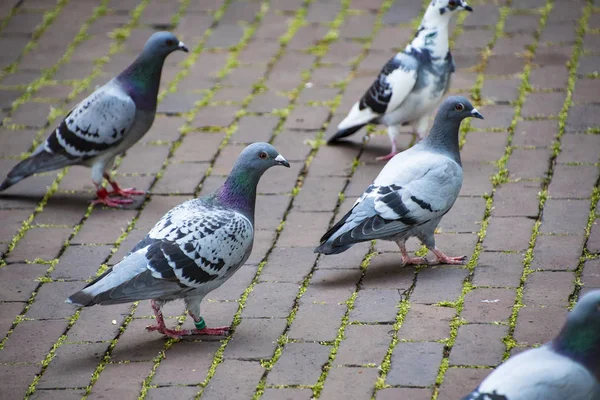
279,160
182,47
467,7
476,114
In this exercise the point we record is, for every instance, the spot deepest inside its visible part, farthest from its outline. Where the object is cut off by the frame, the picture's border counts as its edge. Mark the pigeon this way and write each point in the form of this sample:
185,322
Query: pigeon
412,193
568,367
105,124
412,83
192,250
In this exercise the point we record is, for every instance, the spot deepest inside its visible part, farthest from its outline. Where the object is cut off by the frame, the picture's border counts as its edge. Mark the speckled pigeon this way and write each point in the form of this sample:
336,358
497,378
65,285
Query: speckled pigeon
192,250
105,124
412,192
567,368
412,83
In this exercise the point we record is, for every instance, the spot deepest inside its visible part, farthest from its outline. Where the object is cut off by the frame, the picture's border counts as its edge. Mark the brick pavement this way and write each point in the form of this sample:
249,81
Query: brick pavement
352,326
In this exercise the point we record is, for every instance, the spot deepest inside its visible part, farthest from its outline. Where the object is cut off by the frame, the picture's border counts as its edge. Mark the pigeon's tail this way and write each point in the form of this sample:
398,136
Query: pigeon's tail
327,248
342,133
81,298
41,161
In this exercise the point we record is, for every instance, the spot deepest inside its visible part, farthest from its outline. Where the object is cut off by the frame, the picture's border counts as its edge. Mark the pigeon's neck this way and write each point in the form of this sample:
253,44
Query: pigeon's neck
443,137
141,80
239,191
433,34
581,343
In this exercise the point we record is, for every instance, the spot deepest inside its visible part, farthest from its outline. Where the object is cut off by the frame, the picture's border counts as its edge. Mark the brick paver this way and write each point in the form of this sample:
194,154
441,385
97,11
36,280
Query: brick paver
351,326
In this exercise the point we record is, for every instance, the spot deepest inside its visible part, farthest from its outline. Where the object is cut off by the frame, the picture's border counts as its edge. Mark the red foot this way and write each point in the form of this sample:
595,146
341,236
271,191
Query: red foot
126,192
444,259
177,334
414,261
387,157
103,198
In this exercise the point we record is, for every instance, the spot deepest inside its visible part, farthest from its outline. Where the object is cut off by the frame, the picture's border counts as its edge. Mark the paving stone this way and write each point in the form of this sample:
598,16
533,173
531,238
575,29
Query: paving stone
104,226
579,149
591,274
50,301
557,252
403,393
464,216
73,365
484,305
137,344
479,344
8,312
25,344
255,339
172,392
287,394
518,199
109,384
364,344
593,243
11,379
326,328
186,363
355,383
280,268
299,364
80,262
508,234
386,272
426,322
311,224
376,306
458,382
272,300
549,77
572,182
484,146
18,281
95,324
498,269
415,364
331,286
50,394
47,243
528,164
565,216
543,105
436,284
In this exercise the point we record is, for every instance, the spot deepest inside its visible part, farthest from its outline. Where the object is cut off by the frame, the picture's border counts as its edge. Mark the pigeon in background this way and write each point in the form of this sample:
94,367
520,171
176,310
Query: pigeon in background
105,124
412,192
567,368
192,250
412,83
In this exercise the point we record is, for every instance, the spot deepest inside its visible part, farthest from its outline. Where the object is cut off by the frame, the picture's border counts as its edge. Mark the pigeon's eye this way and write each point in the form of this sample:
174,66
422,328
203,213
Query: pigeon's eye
263,155
453,3
459,107
170,42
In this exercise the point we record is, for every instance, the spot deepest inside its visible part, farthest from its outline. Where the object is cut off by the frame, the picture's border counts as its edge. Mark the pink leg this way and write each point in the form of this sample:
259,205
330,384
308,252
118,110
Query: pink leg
103,198
177,334
444,259
391,154
117,191
408,260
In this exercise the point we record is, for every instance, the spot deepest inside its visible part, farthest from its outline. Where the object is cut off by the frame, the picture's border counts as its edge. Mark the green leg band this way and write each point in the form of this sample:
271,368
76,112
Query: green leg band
200,324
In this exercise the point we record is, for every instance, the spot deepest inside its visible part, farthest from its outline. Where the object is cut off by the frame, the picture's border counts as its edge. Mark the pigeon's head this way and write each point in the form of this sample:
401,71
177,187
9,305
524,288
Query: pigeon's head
260,157
587,313
163,44
458,108
447,7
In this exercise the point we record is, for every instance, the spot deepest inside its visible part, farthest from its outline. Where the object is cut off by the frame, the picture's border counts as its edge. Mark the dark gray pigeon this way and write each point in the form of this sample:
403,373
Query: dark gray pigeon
567,368
192,250
412,192
105,124
412,83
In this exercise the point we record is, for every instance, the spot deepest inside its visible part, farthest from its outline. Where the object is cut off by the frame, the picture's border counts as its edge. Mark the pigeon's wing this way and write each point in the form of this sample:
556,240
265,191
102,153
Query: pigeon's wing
192,245
423,188
99,122
538,374
395,81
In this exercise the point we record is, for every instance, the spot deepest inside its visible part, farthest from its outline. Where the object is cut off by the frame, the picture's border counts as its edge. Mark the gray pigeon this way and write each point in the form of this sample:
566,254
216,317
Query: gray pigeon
412,83
567,368
192,250
105,124
412,192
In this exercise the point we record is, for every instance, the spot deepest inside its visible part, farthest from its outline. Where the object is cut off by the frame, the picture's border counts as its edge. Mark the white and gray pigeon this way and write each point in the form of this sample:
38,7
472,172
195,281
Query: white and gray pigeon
412,83
105,124
412,192
567,368
192,250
